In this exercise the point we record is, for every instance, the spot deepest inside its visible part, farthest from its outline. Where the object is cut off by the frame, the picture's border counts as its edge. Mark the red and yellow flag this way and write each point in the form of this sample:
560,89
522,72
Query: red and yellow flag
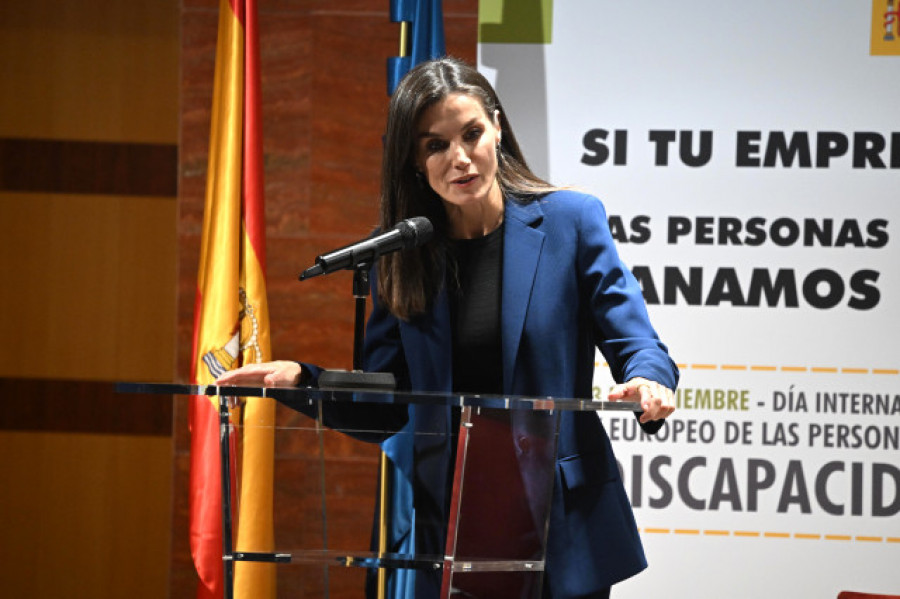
231,315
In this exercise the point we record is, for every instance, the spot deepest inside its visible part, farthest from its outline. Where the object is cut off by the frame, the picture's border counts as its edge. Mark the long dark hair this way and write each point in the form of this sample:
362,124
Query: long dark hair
408,281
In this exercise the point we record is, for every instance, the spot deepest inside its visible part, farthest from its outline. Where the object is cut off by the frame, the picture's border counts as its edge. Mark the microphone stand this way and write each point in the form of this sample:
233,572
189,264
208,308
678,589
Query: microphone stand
357,379
360,292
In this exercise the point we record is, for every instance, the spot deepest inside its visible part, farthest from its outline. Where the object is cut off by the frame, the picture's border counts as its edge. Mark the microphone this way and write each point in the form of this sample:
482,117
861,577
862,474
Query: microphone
405,235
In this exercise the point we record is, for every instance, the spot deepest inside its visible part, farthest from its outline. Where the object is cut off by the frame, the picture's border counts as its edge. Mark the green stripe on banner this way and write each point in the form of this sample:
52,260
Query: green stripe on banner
515,22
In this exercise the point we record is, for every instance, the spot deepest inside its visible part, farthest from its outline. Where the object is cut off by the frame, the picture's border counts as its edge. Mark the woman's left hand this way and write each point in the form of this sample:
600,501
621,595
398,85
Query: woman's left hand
657,401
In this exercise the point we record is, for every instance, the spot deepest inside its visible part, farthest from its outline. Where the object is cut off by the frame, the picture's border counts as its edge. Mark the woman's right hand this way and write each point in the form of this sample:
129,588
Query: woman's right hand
280,373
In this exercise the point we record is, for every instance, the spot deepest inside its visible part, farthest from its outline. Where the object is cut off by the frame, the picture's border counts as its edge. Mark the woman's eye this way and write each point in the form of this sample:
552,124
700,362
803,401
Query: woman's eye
473,134
435,145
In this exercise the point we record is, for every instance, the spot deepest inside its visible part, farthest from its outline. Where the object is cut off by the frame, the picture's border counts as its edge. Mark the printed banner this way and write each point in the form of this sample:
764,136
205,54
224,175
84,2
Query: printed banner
748,155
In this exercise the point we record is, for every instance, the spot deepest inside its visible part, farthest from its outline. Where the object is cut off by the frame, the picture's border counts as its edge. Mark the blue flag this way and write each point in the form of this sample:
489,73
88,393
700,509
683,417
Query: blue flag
426,41
426,23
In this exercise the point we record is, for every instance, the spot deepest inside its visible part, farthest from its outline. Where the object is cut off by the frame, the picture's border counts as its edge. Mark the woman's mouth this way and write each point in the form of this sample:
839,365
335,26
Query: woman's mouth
464,180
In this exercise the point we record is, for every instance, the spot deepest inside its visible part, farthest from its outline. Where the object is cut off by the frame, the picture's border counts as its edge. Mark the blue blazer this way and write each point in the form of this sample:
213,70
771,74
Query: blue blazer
565,292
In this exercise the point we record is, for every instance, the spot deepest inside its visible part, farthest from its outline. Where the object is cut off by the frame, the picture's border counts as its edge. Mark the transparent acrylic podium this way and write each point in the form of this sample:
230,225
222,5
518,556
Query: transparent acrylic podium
492,472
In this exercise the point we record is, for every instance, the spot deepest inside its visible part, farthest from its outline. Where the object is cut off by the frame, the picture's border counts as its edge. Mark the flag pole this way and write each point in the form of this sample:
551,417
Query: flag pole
384,469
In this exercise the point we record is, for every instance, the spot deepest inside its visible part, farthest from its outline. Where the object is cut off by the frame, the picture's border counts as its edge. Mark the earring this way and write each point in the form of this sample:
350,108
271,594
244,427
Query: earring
420,178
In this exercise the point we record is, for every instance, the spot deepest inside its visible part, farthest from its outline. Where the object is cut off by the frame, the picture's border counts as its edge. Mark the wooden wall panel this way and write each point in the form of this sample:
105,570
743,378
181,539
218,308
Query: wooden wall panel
95,71
88,144
324,109
89,281
52,405
76,518
88,167
88,163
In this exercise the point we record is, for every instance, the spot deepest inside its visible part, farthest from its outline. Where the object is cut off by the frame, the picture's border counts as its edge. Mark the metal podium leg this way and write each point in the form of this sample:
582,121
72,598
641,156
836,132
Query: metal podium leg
225,454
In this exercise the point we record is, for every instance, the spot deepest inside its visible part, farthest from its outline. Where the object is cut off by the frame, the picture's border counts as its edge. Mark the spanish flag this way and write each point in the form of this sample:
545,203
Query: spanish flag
231,315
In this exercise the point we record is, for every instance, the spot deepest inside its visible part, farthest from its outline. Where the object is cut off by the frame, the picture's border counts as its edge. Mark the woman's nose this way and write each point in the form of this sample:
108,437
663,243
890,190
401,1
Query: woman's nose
461,156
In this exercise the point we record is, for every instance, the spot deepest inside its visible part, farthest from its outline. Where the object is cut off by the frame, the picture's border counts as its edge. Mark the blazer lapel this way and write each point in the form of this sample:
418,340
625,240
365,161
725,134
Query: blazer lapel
522,247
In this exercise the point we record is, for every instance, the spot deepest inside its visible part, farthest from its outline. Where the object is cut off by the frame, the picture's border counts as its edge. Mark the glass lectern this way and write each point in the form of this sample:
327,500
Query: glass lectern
496,483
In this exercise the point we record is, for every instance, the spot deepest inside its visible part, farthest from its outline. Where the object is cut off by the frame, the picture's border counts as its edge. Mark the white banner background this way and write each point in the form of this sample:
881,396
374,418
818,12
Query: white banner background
824,479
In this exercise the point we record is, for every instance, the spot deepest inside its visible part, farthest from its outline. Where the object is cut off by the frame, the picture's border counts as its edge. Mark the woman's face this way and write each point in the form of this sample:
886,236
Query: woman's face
456,149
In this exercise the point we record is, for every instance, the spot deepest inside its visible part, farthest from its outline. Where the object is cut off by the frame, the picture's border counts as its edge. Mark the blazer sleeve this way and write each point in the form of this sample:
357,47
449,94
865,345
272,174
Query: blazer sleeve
382,352
620,319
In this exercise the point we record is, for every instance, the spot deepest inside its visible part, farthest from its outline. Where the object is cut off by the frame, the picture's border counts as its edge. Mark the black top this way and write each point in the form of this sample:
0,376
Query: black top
474,284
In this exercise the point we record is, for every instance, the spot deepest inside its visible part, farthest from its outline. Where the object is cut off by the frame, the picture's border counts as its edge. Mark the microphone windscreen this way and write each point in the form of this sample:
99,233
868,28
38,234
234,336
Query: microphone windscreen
415,231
